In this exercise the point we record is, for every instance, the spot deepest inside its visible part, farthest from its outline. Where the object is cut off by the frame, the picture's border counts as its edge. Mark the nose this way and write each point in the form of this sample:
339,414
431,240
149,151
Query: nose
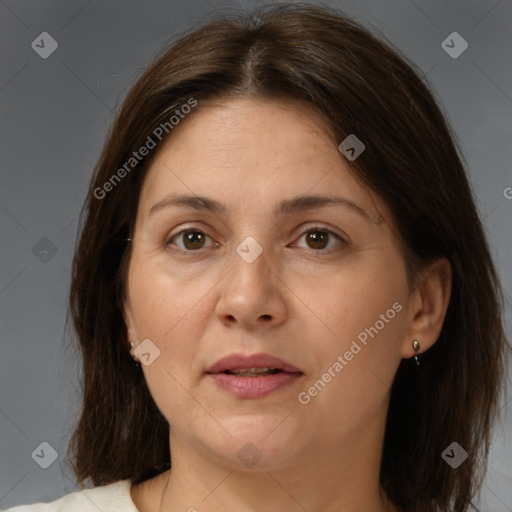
253,294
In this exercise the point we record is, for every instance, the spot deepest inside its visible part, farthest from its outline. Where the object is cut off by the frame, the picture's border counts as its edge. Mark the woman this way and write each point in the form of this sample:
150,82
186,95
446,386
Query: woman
280,229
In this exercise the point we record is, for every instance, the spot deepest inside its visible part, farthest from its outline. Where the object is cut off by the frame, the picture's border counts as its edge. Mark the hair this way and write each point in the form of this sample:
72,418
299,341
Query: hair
358,83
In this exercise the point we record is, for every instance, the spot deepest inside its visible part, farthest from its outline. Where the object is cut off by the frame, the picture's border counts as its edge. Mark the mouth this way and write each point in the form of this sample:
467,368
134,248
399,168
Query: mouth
256,364
252,372
253,376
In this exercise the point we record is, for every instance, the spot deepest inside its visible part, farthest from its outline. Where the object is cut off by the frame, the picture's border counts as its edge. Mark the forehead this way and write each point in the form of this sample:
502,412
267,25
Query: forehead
251,151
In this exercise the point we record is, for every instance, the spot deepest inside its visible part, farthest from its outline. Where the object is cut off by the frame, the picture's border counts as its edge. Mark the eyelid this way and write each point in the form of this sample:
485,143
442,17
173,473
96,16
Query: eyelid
304,228
169,238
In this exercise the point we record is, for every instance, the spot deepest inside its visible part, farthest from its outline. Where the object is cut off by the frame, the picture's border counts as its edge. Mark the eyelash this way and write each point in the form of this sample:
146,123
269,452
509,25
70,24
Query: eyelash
320,229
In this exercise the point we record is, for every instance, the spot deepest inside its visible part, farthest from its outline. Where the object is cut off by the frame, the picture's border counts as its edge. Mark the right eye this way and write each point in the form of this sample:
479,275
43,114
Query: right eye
192,240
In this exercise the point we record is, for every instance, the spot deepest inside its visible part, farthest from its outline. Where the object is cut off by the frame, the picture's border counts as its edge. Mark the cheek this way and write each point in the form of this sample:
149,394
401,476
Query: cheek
355,367
364,295
165,310
363,323
159,299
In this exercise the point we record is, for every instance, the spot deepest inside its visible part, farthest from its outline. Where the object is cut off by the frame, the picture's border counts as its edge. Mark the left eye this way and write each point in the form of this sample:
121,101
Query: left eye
193,239
319,237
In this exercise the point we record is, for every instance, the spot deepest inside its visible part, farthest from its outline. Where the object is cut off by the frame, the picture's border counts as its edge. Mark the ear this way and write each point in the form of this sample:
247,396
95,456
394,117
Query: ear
128,320
428,306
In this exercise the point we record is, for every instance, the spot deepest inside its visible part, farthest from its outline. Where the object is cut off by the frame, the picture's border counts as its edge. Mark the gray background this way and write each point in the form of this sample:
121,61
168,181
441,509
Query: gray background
54,117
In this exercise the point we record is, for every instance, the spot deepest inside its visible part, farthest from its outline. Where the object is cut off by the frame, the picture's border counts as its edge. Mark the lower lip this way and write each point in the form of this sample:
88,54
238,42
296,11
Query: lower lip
254,387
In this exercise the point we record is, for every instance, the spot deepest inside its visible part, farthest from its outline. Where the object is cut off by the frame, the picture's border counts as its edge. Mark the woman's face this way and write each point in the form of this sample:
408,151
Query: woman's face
319,285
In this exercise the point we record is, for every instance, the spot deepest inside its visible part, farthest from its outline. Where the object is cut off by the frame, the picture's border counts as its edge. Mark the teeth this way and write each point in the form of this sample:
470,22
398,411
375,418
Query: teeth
252,372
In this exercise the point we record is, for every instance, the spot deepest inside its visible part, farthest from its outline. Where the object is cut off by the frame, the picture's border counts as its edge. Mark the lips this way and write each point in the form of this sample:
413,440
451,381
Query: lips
252,377
260,363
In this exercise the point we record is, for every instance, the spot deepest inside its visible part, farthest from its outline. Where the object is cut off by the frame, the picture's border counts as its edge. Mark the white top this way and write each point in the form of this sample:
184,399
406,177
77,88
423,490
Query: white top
110,498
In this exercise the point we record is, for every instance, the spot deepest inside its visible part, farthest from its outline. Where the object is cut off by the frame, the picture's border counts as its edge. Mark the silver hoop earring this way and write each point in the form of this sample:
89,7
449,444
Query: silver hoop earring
416,347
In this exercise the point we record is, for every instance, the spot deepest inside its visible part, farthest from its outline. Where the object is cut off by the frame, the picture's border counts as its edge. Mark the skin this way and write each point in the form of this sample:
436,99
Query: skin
295,301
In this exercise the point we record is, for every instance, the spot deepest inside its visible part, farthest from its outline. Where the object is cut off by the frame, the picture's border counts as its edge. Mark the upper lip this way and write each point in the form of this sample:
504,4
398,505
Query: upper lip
242,361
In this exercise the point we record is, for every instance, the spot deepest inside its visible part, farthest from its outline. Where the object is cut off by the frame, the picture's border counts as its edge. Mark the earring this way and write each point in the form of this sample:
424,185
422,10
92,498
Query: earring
135,359
416,347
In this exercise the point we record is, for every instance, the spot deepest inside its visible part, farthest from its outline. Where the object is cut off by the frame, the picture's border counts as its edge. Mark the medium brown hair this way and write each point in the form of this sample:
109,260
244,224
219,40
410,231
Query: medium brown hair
359,83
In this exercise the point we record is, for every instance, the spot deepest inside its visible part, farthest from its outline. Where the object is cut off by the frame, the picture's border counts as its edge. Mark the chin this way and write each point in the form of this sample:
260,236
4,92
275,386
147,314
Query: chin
258,443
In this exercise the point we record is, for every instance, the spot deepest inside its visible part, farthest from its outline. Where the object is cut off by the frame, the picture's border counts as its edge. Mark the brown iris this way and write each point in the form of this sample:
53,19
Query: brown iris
318,237
194,238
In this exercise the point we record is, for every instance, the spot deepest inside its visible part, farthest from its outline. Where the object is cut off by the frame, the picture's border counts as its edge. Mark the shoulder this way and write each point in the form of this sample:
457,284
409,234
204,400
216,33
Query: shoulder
112,497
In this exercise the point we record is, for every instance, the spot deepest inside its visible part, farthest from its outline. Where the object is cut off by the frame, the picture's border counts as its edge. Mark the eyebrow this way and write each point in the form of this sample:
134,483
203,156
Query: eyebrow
285,207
